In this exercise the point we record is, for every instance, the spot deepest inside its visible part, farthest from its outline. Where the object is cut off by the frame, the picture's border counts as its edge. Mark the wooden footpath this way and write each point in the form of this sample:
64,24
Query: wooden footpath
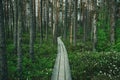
61,69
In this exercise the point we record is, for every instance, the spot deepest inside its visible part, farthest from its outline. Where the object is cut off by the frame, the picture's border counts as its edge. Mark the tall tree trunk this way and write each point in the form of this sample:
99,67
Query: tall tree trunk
34,19
56,22
3,56
63,22
47,19
44,18
71,25
112,28
52,19
94,25
6,17
66,20
16,26
41,24
11,19
38,18
75,23
94,32
84,22
32,28
19,40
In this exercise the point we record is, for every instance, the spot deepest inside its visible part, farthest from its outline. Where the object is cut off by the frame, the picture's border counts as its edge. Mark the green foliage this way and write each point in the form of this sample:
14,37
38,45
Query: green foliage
95,66
80,47
116,47
118,30
102,43
42,67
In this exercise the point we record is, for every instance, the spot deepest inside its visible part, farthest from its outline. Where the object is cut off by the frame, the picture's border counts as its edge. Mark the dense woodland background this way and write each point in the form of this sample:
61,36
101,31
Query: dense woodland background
90,30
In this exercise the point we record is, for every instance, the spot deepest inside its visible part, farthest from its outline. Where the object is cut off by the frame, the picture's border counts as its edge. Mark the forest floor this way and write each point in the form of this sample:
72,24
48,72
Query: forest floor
84,65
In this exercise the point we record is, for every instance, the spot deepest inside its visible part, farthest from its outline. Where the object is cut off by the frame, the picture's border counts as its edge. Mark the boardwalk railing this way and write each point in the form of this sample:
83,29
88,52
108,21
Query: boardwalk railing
61,69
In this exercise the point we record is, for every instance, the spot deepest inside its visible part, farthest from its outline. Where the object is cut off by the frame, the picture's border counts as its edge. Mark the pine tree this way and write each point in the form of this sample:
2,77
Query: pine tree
3,59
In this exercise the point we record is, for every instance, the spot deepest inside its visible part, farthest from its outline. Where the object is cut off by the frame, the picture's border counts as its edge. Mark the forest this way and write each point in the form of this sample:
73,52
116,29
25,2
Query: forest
83,34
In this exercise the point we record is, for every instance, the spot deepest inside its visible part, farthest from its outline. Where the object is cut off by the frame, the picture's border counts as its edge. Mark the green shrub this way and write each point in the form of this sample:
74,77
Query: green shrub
95,66
43,64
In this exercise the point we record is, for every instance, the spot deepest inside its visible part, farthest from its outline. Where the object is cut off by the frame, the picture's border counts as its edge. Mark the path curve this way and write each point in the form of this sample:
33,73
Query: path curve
61,69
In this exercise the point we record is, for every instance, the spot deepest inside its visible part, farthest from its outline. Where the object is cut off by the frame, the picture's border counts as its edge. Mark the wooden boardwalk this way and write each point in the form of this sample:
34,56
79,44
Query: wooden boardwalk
61,69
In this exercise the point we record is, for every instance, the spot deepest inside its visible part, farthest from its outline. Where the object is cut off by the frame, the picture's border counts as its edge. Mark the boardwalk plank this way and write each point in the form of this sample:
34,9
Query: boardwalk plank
61,69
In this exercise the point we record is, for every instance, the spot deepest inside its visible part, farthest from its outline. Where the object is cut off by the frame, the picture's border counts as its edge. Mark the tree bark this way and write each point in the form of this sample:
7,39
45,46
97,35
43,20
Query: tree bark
47,19
94,32
52,20
71,25
56,22
32,28
34,19
75,23
112,28
41,24
19,40
66,20
94,25
16,26
3,56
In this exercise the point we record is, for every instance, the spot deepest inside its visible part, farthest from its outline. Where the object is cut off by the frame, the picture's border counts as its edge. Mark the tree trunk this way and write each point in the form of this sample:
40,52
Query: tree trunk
66,20
56,22
71,25
84,22
94,25
34,19
32,28
19,40
3,56
6,17
47,19
112,28
94,32
41,26
16,26
75,23
52,20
